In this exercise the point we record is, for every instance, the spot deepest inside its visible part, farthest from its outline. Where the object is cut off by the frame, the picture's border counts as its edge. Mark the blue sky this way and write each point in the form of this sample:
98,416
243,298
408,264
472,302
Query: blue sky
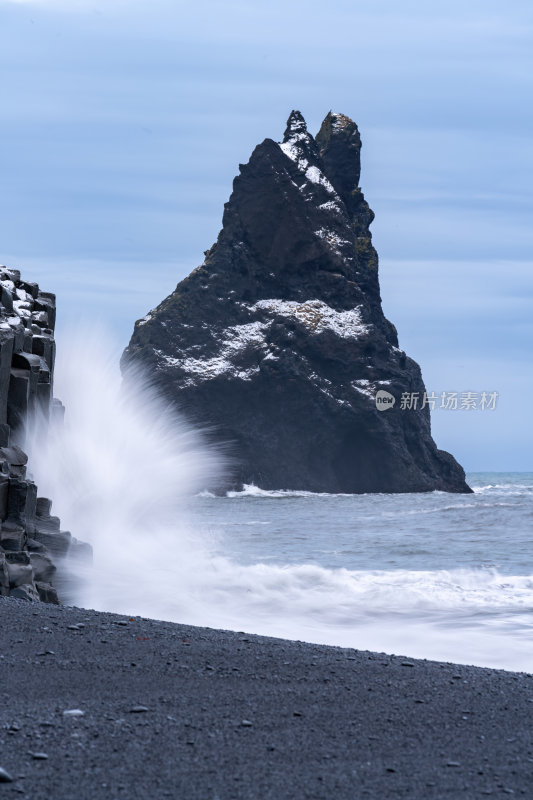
123,123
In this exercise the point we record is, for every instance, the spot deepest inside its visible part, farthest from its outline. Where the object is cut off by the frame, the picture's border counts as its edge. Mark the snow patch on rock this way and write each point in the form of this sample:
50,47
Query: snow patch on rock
295,152
235,340
331,205
364,386
317,316
333,239
314,175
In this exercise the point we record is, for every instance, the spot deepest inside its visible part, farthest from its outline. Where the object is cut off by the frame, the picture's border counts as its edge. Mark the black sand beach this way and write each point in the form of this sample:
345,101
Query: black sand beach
176,711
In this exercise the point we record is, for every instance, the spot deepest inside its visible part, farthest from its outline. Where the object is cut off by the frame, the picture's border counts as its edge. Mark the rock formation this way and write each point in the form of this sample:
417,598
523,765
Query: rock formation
277,344
31,542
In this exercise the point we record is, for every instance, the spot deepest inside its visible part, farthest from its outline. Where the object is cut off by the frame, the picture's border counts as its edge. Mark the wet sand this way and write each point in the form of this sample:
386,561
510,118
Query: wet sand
177,711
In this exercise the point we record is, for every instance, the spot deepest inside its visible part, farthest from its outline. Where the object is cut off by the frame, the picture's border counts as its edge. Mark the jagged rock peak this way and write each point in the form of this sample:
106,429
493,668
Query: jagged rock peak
335,124
332,158
298,144
296,126
278,345
339,146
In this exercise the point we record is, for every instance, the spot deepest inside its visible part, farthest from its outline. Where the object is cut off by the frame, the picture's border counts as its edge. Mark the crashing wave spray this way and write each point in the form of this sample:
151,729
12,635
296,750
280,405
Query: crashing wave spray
122,471
119,469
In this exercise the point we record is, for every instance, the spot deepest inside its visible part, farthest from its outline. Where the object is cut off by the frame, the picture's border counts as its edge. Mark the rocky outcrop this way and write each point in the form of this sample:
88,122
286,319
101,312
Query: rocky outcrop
277,344
31,542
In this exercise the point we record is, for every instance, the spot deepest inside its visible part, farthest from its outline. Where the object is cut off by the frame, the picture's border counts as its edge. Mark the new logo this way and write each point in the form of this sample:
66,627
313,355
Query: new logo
384,400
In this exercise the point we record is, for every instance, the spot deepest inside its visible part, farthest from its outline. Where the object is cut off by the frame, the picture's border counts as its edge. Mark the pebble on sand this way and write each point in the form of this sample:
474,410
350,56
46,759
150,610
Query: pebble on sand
74,712
5,777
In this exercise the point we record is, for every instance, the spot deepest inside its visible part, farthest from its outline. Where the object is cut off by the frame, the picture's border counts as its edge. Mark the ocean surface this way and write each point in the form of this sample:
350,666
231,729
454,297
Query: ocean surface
437,575
441,576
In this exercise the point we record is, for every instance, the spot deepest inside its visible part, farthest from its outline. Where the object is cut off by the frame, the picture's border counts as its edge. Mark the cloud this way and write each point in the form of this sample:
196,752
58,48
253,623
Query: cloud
73,7
112,293
468,324
125,122
66,5
410,28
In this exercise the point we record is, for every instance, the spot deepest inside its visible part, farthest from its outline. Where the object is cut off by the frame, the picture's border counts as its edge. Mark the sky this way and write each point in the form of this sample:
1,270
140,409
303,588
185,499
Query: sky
123,124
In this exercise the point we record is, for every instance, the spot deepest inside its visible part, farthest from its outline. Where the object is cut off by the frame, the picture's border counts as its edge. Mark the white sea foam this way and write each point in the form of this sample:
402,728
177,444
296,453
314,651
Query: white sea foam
251,490
512,488
118,471
121,472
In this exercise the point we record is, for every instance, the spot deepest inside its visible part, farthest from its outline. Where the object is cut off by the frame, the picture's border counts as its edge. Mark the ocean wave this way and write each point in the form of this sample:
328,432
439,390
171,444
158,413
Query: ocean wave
235,523
377,591
467,616
512,486
475,506
151,559
251,490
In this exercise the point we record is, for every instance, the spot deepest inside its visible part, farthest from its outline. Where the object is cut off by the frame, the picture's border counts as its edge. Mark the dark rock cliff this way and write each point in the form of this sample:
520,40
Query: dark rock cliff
278,344
31,542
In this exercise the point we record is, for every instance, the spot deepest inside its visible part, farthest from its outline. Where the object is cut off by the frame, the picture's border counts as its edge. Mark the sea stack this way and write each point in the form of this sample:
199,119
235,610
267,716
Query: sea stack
277,345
